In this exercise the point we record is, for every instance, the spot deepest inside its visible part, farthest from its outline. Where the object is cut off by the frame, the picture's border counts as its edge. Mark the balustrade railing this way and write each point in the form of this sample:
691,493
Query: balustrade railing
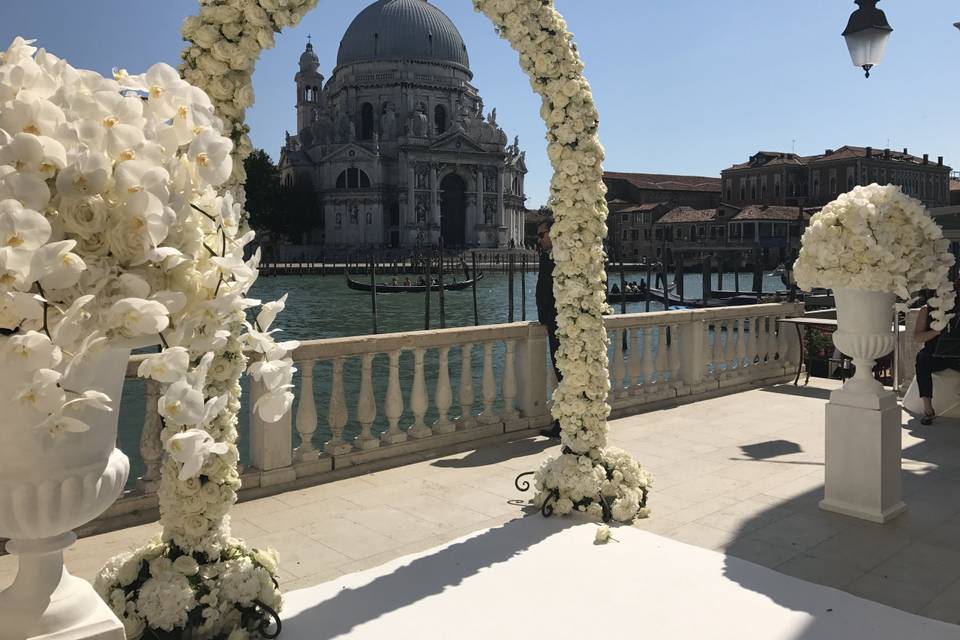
369,402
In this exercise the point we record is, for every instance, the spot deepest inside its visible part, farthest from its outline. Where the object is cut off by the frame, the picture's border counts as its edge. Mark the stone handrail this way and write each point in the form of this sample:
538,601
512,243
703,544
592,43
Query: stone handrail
456,389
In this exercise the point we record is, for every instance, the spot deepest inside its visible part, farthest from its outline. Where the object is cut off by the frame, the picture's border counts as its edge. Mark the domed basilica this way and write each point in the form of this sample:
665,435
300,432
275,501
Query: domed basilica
396,144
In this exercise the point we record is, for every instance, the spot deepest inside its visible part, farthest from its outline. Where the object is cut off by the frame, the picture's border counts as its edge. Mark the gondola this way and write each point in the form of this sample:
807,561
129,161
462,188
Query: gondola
655,294
416,288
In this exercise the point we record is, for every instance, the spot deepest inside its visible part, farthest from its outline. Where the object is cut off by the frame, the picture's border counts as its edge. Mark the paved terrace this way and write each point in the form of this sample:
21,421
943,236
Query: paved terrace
740,474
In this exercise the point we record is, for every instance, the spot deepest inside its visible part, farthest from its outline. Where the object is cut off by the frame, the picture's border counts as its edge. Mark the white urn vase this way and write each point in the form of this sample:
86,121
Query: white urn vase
50,487
865,333
862,431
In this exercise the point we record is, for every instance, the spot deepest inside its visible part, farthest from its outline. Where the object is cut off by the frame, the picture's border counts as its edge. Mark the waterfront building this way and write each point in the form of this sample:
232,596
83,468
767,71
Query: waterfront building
397,145
637,200
788,179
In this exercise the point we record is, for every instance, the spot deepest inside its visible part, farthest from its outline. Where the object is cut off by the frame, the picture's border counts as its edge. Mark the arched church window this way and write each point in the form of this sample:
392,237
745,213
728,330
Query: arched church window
353,178
366,121
440,119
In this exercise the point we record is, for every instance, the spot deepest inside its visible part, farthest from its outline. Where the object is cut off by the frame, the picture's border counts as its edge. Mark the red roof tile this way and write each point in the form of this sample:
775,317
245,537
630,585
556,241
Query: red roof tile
665,182
765,212
688,214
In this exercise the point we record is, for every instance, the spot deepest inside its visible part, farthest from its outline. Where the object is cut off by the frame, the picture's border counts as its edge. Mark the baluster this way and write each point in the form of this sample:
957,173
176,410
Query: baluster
337,416
783,344
510,383
661,361
675,346
636,363
393,408
741,344
707,350
763,337
718,365
751,340
306,421
418,398
444,396
616,369
151,449
489,388
647,359
366,406
466,419
729,348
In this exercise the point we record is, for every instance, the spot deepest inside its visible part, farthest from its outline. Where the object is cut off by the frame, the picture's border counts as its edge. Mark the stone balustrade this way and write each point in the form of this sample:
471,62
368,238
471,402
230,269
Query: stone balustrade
366,403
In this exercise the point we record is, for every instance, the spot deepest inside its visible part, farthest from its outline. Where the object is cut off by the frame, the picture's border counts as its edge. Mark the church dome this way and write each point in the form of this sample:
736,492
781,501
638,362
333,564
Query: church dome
309,62
402,30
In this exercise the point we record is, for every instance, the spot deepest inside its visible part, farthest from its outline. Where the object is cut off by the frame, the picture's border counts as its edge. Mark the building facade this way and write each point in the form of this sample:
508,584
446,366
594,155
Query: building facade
787,179
396,145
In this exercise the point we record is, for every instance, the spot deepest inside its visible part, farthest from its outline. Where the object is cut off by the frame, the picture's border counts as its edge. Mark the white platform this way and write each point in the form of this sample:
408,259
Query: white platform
537,578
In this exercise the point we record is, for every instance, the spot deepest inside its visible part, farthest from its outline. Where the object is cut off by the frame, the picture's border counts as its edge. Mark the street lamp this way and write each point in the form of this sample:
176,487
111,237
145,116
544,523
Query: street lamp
867,34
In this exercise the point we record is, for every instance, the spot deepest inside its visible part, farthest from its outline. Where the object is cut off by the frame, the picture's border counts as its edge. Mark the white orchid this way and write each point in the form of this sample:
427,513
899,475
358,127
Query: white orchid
44,393
31,351
275,404
20,228
274,374
191,448
138,317
269,313
167,366
210,154
182,404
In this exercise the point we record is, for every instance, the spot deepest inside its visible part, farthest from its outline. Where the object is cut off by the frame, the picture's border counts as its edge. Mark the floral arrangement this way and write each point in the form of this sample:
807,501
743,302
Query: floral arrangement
877,238
224,42
607,484
576,478
112,228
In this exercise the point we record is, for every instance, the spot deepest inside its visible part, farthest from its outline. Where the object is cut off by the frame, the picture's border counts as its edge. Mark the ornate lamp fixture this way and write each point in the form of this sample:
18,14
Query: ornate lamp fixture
867,34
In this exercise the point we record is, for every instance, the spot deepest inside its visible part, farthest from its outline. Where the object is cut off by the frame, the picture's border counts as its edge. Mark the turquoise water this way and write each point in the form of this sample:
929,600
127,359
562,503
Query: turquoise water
323,307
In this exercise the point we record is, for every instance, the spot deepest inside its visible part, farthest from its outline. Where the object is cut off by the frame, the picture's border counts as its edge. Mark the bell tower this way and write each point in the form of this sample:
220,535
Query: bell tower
309,84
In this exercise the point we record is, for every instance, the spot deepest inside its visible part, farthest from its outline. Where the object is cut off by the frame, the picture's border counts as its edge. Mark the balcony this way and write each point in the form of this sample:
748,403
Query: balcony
427,451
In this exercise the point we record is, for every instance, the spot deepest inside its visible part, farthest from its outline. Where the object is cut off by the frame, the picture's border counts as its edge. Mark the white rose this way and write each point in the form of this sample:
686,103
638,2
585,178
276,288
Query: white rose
186,565
84,216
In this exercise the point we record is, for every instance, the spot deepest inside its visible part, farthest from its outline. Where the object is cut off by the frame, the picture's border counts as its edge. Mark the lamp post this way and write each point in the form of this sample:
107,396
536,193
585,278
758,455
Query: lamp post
866,34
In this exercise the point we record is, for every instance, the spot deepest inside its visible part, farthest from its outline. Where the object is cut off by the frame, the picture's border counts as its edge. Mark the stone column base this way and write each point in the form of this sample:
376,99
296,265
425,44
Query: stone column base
863,453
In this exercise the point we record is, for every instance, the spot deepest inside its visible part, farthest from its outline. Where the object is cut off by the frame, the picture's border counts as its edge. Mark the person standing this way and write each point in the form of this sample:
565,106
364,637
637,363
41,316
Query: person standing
928,360
547,305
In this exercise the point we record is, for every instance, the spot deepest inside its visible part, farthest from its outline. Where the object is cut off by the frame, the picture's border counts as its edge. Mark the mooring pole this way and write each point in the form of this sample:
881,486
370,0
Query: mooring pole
443,314
510,288
373,291
426,304
476,313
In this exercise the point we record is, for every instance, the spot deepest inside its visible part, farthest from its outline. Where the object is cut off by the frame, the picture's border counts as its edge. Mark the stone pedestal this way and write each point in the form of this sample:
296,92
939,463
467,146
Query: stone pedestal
863,451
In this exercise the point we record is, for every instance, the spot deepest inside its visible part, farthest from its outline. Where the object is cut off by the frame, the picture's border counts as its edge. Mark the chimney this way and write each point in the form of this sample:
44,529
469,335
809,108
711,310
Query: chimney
869,152
939,161
906,152
926,158
828,152
886,154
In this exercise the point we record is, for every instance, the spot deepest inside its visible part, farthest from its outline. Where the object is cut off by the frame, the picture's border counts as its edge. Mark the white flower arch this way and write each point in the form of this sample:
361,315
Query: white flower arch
224,42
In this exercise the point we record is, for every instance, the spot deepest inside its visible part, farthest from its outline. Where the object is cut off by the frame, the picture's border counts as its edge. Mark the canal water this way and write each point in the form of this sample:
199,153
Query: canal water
323,307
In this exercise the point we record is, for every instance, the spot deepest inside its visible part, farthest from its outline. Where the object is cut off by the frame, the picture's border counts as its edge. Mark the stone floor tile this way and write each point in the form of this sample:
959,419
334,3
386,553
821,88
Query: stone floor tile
902,595
830,572
762,552
923,565
703,536
946,606
349,538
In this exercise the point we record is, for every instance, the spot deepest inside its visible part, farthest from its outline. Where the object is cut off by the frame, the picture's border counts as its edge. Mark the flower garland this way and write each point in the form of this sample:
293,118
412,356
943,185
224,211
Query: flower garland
224,42
877,238
586,476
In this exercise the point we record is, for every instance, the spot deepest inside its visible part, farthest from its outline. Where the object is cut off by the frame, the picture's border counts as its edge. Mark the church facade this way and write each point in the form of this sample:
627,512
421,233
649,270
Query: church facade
396,145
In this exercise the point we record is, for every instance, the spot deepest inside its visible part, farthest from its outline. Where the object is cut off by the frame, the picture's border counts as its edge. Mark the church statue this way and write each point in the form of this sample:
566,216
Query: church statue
492,117
516,145
342,126
388,122
419,123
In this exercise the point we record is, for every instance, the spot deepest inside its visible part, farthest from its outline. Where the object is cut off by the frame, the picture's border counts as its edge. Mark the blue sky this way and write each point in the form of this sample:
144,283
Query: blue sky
683,87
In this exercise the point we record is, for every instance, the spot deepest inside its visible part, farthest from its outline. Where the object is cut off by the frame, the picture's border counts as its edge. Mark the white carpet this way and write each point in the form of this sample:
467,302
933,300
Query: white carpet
537,578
